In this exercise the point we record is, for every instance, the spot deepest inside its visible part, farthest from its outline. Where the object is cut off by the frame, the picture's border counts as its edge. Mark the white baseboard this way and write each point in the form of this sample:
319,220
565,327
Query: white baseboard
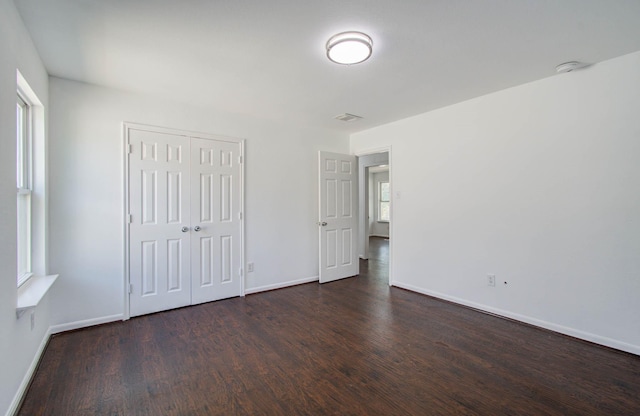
587,336
56,329
22,389
281,285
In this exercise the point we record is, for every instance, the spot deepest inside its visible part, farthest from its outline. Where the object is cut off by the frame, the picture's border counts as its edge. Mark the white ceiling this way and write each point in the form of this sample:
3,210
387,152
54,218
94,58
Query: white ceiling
266,58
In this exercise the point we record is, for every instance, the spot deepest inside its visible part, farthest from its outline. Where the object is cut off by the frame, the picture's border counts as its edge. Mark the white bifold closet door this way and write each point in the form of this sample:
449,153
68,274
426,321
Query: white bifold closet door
185,220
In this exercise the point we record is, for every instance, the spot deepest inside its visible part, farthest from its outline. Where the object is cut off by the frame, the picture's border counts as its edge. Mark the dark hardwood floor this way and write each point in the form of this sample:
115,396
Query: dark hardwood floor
352,347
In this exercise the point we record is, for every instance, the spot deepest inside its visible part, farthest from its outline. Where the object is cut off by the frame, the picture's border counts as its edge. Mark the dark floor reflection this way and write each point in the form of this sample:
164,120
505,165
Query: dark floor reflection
378,264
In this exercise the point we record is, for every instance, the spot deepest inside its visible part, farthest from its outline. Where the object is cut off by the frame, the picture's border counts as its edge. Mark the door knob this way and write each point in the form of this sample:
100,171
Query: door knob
185,229
323,223
197,228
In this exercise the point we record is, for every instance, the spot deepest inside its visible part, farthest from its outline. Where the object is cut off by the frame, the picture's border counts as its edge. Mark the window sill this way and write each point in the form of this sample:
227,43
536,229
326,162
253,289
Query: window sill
32,292
383,221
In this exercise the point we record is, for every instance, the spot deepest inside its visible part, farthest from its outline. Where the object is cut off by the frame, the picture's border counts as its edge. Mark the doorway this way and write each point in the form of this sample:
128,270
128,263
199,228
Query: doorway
375,209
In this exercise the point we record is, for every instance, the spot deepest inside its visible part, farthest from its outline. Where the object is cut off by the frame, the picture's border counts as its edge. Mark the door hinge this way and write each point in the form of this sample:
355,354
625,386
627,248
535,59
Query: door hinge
239,159
240,215
129,148
129,218
130,288
241,272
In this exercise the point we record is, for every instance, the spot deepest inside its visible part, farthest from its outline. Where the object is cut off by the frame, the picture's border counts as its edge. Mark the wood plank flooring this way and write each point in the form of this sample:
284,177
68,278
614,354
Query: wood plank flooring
352,347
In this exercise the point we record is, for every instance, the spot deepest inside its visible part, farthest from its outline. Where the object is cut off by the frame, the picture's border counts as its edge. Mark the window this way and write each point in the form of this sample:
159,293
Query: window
31,219
383,202
24,177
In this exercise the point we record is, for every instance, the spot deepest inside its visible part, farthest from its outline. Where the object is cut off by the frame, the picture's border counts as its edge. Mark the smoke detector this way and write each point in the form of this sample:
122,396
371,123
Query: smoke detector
347,117
569,66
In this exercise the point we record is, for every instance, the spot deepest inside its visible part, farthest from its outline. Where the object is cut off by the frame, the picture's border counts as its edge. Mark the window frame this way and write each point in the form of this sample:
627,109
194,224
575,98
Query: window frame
24,185
382,201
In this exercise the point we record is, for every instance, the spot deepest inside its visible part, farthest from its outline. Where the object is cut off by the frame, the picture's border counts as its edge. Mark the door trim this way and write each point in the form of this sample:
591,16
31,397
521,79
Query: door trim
393,199
126,128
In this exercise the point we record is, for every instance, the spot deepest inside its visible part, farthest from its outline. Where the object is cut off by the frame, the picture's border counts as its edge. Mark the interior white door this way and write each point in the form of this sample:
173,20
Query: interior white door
338,218
159,241
185,231
215,217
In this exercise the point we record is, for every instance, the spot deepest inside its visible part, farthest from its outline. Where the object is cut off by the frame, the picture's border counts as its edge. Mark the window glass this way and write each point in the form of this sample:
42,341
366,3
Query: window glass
384,203
23,181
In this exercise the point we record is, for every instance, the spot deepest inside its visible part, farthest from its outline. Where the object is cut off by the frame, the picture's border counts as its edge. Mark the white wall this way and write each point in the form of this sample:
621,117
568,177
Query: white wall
380,229
86,200
19,345
537,184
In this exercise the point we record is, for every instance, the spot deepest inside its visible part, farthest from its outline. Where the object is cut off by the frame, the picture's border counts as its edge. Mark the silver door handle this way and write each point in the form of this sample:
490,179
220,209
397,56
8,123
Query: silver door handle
185,229
197,228
322,224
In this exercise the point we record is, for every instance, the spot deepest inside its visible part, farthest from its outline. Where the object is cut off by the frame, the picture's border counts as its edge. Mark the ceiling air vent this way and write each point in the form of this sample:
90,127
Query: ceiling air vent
347,117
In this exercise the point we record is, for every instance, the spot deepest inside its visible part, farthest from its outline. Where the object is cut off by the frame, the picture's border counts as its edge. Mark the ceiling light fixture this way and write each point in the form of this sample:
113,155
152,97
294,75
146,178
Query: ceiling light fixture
348,48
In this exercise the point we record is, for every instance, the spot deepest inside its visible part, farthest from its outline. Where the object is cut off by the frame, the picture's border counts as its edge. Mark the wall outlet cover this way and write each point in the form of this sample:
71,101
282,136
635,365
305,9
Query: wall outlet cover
491,279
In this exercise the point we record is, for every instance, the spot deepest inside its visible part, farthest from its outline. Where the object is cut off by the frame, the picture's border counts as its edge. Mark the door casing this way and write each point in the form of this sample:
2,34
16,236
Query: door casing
363,202
126,129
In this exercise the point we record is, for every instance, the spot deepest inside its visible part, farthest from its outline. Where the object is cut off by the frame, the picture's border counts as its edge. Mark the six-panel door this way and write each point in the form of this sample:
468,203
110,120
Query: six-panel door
184,235
215,202
338,220
159,209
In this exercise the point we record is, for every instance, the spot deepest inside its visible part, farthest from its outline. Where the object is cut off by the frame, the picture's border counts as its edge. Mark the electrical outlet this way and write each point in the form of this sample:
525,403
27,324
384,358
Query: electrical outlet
33,320
250,267
491,279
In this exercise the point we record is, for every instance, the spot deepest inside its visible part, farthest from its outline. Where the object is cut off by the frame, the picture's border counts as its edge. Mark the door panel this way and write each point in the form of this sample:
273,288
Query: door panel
174,197
205,262
215,209
175,277
338,220
149,267
347,243
158,202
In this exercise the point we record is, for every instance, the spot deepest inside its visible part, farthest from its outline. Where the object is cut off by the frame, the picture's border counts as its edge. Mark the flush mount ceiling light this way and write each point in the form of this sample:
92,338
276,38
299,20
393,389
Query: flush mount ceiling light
348,48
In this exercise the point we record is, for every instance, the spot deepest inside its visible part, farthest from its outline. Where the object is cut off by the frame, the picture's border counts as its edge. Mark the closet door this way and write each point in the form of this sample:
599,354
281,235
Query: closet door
215,219
159,237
